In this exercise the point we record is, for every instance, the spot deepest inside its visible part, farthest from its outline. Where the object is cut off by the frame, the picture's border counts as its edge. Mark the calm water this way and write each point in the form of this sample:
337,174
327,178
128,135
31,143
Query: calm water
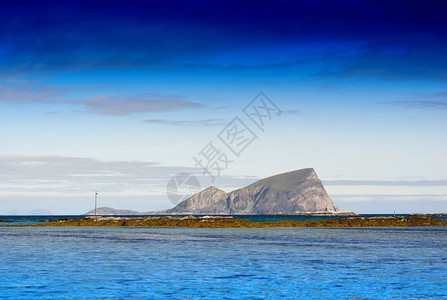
141,263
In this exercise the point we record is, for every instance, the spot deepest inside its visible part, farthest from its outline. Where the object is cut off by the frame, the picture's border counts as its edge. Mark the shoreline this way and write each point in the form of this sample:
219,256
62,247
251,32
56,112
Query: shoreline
232,222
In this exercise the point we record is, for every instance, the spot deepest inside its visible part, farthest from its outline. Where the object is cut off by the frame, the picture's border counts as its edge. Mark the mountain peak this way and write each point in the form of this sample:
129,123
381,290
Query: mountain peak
299,191
212,188
289,180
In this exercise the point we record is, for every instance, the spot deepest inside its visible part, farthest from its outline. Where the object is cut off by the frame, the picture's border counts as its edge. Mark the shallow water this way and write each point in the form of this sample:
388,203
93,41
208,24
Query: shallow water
264,263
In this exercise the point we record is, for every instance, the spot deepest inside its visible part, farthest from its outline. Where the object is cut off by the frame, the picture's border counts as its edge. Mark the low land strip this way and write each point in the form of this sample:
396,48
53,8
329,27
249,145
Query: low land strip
232,222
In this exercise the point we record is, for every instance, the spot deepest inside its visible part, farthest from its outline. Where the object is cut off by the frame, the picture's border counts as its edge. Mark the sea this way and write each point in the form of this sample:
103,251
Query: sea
226,263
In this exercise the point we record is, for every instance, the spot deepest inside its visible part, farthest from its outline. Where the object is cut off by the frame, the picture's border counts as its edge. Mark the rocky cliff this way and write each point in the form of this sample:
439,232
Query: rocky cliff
294,192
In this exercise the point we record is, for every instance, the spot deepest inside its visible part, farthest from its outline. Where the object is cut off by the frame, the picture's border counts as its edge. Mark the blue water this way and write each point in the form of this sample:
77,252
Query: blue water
187,263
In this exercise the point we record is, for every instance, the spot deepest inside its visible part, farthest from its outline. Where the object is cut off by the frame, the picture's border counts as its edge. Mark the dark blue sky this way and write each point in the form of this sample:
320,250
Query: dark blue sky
388,39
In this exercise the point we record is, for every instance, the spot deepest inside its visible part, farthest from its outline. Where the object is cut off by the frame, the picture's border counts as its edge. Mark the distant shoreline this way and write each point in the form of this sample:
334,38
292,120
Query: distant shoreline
429,215
232,222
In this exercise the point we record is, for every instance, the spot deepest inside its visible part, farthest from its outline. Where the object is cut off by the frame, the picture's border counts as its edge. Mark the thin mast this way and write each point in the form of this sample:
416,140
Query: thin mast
96,201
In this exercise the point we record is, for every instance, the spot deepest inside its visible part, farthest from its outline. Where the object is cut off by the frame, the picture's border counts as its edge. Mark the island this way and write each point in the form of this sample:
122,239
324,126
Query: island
295,192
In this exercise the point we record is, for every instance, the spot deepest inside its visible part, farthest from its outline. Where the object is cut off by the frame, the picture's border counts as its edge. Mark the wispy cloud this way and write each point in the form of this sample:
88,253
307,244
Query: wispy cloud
30,91
205,122
438,95
395,60
435,105
292,112
66,184
33,91
429,101
78,175
434,101
387,183
121,106
388,204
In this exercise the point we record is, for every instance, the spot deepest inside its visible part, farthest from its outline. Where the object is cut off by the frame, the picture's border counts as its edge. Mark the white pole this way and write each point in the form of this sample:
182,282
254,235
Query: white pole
96,201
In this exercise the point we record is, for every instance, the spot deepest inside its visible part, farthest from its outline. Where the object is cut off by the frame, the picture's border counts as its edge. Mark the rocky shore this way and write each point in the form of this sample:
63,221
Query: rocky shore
231,222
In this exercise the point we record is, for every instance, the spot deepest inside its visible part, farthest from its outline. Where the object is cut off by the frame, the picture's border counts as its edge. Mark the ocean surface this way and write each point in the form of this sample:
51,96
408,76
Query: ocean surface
199,263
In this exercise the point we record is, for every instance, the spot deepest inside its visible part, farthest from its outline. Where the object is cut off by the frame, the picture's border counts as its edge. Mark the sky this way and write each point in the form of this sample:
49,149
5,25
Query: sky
121,97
